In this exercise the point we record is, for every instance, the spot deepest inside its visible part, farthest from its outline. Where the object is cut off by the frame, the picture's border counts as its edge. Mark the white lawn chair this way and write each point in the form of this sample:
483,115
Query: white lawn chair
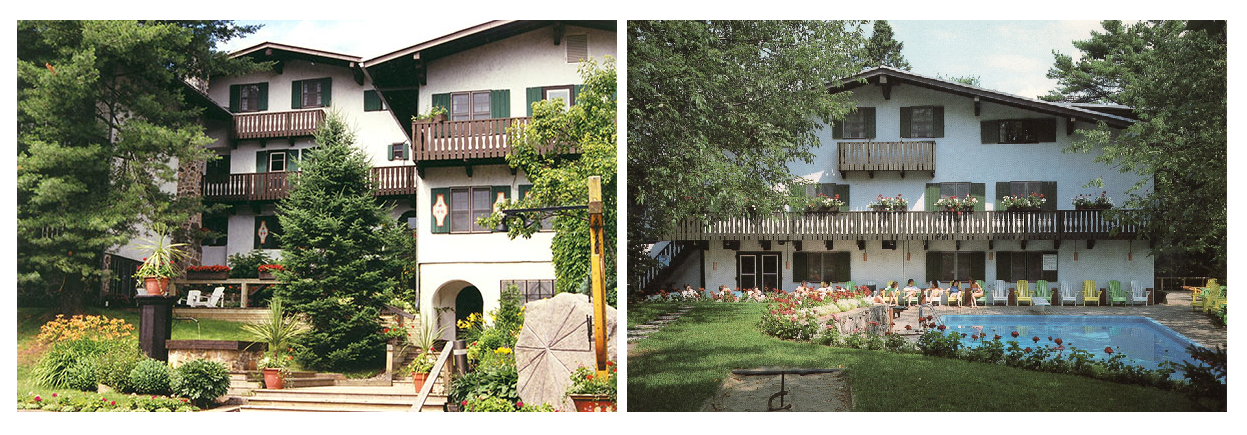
1000,293
1067,294
192,299
1137,293
217,298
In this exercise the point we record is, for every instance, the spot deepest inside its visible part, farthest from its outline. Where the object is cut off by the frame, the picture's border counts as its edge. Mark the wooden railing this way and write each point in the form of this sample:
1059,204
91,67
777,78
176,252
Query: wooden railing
266,125
668,252
441,372
272,186
462,140
885,156
912,225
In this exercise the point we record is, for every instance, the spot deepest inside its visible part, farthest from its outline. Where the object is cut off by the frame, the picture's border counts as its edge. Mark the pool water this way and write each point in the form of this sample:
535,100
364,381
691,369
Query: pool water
1144,341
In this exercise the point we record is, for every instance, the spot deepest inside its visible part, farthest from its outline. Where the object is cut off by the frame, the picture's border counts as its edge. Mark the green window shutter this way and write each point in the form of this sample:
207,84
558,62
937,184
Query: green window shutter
989,131
843,191
907,118
979,190
1048,189
933,194
296,94
837,129
292,160
934,260
273,228
799,270
439,201
576,91
844,271
235,96
326,91
261,161
868,115
534,95
499,193
1047,129
937,121
978,265
1004,266
1002,190
372,101
441,100
406,151
389,152
263,96
500,103
524,189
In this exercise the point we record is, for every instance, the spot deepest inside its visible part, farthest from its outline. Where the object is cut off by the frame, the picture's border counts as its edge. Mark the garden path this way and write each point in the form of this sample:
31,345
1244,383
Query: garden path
639,332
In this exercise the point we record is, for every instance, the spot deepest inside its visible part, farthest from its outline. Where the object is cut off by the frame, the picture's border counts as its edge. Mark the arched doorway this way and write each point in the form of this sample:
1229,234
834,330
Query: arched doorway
453,301
468,302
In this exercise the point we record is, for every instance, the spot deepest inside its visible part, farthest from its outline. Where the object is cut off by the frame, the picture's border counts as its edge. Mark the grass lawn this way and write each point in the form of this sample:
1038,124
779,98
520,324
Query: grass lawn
681,366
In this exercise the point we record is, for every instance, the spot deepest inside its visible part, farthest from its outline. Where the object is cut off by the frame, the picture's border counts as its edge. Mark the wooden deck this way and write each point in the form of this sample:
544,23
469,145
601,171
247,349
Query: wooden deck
273,186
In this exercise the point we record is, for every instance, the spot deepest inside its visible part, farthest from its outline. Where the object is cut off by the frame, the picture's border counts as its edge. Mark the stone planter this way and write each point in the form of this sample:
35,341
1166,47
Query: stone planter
156,286
591,403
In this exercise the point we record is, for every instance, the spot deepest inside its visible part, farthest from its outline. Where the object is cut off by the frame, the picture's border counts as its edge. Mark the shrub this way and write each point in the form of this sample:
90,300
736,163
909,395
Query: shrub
499,381
246,265
113,367
77,339
935,343
81,375
201,381
1205,383
488,404
51,370
156,404
150,377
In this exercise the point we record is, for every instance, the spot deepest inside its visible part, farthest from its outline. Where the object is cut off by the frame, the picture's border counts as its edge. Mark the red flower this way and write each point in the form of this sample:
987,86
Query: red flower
974,336
53,394
1036,339
40,399
941,327
589,377
907,327
1108,349
112,403
997,337
1049,338
465,403
1058,341
153,396
1015,334
1027,350
519,404
929,318
610,363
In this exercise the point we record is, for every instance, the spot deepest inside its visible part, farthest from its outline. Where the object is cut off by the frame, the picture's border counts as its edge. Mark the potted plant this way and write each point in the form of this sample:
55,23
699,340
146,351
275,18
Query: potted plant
1088,202
592,392
885,203
1030,202
436,114
278,331
157,268
266,270
207,272
424,335
955,204
822,202
420,368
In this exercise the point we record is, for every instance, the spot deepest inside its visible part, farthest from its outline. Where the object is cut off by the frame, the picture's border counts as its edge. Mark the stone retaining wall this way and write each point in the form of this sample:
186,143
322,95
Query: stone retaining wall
859,320
236,355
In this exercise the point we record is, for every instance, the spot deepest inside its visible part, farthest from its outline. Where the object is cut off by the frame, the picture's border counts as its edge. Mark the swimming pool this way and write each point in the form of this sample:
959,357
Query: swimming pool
1141,339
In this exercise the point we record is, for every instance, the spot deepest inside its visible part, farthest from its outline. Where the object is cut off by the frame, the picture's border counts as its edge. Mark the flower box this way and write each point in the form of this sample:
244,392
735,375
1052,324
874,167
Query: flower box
1087,207
592,403
205,276
1023,208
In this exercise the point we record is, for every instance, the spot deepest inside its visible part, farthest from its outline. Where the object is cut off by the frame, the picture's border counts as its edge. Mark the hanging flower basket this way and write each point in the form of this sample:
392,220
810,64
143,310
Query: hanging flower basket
592,403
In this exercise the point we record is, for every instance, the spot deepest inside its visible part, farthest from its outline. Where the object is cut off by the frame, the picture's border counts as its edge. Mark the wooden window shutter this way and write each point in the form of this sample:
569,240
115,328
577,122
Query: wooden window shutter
1048,189
1004,266
263,103
524,189
500,103
933,194
406,151
235,96
843,191
296,94
372,101
837,129
979,190
907,119
261,161
799,270
937,121
326,91
990,131
1002,190
844,271
978,265
934,261
576,89
439,203
868,116
1047,129
534,95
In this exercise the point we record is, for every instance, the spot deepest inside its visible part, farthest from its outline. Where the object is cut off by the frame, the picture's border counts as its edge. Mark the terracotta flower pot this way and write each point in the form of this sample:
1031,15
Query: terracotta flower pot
418,379
156,286
591,403
272,379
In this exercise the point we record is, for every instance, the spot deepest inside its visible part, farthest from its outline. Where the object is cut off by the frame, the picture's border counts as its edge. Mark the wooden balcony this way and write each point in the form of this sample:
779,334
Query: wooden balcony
462,140
269,125
885,156
273,186
912,225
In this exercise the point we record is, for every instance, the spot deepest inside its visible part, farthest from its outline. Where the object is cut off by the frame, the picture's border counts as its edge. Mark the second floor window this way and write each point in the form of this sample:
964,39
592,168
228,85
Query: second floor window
250,97
922,121
960,190
856,125
466,205
277,162
311,93
469,105
1019,131
557,92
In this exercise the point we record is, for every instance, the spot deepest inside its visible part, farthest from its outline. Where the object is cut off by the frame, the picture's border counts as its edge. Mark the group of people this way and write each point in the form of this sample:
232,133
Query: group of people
891,294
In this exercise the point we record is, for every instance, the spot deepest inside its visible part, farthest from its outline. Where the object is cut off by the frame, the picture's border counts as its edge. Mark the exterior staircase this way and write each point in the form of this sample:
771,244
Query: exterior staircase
676,253
313,392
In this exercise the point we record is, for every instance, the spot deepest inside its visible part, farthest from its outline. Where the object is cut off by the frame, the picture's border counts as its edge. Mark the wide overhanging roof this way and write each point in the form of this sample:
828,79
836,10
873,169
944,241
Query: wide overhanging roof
266,51
888,76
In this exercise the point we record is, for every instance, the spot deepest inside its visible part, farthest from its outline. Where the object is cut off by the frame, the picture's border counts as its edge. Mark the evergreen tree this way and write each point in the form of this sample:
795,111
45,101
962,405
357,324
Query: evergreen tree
883,50
341,251
102,124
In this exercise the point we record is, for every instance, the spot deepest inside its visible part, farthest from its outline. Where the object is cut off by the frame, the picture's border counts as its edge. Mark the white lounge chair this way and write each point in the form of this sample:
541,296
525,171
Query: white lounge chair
195,299
1137,293
1068,294
217,298
192,299
1000,293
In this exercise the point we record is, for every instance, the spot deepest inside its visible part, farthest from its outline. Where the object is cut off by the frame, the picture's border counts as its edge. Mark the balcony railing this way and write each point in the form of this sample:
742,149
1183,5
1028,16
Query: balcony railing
885,156
272,186
267,125
462,140
912,225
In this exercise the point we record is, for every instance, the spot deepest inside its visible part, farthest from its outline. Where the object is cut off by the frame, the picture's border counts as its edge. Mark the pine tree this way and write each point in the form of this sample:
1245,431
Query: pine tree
883,50
341,251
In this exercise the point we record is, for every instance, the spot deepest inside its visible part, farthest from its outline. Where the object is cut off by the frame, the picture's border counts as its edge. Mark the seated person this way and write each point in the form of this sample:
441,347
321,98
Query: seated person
911,289
933,292
975,291
954,290
891,293
723,290
688,291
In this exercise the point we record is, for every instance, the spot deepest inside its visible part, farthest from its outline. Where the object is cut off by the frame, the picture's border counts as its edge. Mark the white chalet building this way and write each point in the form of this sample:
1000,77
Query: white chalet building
923,139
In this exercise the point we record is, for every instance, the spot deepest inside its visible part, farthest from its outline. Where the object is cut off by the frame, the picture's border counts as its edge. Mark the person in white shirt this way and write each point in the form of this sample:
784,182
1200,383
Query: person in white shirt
911,289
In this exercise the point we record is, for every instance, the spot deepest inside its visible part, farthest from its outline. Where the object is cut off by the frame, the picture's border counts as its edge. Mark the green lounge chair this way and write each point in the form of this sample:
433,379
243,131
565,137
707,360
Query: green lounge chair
1024,292
1090,293
1115,293
982,300
1042,293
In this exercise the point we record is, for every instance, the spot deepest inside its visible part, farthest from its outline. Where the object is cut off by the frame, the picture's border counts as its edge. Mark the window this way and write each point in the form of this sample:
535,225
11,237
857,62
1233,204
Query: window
398,151
1025,188
469,105
856,125
249,97
277,161
757,270
577,47
556,92
830,190
373,101
466,205
1028,265
961,266
922,121
310,93
217,171
1015,131
218,224
531,289
960,190
820,267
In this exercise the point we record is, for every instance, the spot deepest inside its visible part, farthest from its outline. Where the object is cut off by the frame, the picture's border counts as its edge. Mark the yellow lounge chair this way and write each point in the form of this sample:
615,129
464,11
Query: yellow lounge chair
1090,293
1024,292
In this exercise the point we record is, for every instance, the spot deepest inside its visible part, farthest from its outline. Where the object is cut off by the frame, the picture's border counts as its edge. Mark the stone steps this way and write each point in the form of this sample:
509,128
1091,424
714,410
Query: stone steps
344,400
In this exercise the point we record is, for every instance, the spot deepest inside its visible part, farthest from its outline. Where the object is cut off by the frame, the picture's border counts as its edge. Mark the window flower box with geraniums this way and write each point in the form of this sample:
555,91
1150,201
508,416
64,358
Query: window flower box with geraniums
436,114
822,202
1088,202
1030,202
207,272
887,203
266,270
592,392
959,205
